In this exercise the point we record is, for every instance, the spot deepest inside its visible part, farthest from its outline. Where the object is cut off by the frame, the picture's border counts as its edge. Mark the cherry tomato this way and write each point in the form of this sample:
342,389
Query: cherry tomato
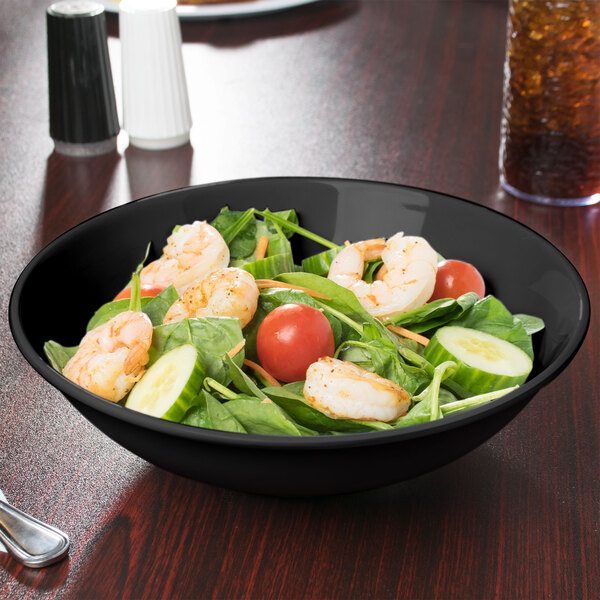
291,338
454,278
147,289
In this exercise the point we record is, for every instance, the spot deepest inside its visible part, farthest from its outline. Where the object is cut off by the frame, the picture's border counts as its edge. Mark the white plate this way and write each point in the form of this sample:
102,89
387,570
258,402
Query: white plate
223,11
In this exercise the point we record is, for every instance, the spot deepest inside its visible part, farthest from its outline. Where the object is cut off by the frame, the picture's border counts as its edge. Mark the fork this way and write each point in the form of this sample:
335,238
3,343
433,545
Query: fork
28,540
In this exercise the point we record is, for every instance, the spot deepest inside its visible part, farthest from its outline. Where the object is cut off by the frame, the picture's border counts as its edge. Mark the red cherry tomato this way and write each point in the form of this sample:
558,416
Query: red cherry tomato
454,278
147,289
291,338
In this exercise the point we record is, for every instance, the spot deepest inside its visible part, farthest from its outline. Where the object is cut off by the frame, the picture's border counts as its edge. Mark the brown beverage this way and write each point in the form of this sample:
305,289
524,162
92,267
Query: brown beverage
550,149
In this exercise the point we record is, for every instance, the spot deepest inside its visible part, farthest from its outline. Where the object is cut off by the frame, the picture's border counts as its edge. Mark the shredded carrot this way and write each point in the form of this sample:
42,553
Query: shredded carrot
236,349
261,247
262,372
421,339
268,283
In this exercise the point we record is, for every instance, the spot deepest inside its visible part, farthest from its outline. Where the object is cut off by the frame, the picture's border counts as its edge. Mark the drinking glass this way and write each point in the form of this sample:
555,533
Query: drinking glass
550,137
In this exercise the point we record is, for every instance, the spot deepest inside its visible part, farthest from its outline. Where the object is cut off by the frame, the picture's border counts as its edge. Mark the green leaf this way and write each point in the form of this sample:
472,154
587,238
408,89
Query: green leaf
242,382
213,337
531,324
112,309
211,414
58,355
265,418
434,314
158,306
238,229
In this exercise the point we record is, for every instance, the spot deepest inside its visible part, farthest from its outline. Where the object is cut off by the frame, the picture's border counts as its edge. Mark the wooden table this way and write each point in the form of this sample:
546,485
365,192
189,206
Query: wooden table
404,91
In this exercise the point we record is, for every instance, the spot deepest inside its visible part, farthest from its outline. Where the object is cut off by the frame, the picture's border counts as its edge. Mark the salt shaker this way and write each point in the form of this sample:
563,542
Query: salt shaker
156,110
83,112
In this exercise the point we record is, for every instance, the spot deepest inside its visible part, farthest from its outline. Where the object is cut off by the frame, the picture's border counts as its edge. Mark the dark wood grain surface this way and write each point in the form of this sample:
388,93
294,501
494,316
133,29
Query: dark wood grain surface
406,91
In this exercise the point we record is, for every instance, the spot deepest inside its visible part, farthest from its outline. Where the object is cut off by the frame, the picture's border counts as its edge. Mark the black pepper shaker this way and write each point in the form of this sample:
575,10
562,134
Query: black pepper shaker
83,112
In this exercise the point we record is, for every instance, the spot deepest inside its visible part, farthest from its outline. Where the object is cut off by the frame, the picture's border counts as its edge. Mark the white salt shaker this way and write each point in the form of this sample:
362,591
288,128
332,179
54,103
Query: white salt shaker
156,108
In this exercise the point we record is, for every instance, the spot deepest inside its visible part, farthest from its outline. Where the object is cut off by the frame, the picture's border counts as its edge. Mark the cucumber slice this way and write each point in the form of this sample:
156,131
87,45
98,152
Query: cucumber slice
170,385
485,363
319,263
270,267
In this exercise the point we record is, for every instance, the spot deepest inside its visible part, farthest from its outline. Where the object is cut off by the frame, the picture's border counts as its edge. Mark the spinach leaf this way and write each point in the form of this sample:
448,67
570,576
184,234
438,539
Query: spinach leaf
434,314
267,418
238,228
531,324
158,306
111,309
242,382
209,413
58,355
213,337
242,230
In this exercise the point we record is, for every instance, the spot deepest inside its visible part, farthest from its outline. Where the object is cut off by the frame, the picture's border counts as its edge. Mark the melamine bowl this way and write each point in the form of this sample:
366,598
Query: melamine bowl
520,267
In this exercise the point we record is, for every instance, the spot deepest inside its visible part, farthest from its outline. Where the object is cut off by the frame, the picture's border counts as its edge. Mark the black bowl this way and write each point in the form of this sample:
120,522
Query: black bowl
520,267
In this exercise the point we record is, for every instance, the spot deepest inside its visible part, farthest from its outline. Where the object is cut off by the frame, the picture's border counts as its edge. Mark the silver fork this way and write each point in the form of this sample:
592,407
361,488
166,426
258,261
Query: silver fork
31,542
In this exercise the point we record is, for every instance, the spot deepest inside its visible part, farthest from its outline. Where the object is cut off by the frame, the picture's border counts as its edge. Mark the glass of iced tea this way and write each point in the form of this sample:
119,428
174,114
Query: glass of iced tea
550,139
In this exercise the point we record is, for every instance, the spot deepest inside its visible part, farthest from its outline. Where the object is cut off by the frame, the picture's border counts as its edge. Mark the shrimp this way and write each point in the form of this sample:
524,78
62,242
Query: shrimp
343,390
111,358
191,253
227,292
405,281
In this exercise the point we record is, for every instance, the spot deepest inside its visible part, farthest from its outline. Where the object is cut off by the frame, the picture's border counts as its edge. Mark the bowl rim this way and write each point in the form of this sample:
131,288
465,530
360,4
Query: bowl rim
180,430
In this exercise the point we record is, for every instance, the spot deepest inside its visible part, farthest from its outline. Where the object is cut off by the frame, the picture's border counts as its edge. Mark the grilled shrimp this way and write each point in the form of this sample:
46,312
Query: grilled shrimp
191,253
227,292
406,279
111,358
343,390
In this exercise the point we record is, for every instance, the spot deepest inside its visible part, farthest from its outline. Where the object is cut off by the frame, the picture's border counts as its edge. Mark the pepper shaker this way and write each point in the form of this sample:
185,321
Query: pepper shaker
83,112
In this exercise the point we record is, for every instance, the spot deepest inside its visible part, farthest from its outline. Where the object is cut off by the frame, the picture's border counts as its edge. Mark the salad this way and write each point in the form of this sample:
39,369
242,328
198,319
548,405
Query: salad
226,331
